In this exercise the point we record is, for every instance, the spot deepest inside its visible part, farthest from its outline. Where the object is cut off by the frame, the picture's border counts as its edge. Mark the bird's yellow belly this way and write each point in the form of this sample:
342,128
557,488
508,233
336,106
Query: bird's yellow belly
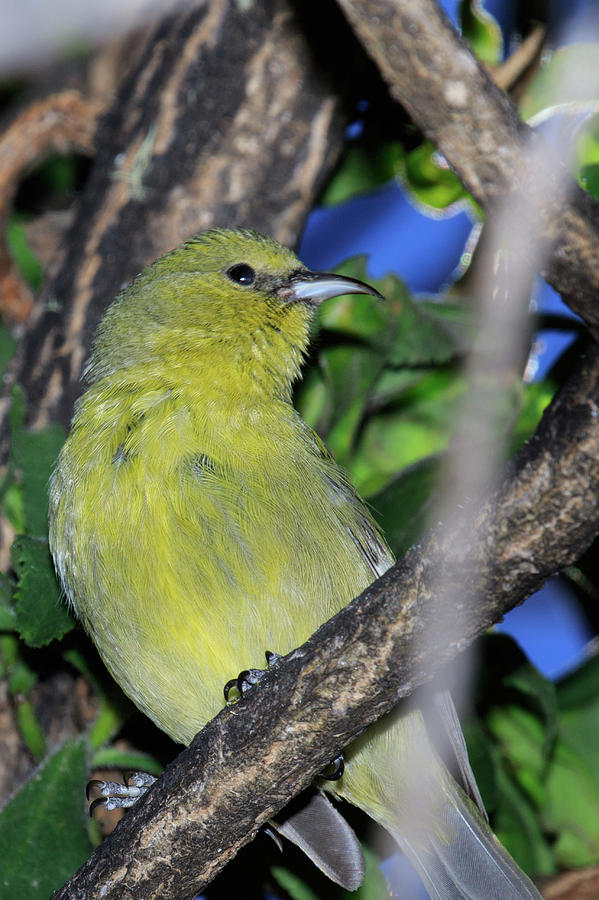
193,581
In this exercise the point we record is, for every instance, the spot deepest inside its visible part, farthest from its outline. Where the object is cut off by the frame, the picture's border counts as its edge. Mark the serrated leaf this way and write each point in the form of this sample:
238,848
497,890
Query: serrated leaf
392,385
34,454
422,339
41,616
43,833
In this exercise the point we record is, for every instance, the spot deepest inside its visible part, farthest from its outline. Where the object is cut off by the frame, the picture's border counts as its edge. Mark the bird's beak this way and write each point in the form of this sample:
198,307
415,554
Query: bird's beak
314,287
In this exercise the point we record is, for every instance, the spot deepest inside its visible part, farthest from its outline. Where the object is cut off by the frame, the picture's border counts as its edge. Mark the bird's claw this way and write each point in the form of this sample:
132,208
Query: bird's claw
338,770
118,795
247,678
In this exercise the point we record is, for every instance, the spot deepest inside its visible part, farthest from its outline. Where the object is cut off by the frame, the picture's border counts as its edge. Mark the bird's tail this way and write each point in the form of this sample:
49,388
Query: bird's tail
461,859
435,824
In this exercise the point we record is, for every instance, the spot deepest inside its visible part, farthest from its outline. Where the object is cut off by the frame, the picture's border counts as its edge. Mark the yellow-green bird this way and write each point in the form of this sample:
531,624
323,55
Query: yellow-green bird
197,521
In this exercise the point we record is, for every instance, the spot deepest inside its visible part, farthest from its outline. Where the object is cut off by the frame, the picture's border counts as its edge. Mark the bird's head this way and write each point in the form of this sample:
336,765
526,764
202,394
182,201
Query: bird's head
227,297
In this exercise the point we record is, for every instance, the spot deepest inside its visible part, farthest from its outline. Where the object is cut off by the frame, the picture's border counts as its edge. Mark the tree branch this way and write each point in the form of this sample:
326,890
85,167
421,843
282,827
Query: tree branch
251,759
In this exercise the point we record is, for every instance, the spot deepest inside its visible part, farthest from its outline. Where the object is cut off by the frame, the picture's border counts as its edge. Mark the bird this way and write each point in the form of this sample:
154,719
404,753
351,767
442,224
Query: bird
196,521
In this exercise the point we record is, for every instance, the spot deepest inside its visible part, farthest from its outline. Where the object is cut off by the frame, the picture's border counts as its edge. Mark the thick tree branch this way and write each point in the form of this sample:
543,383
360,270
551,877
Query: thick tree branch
452,98
250,760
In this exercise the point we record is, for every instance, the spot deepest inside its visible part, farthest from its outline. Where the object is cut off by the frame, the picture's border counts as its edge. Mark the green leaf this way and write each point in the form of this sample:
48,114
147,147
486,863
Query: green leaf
126,760
521,737
311,399
393,384
34,454
586,161
43,832
430,179
578,704
516,824
540,694
416,426
484,760
41,616
30,729
401,507
293,884
423,337
362,169
535,399
21,677
559,87
59,172
571,809
580,688
361,316
7,613
482,31
13,507
8,346
18,246
114,708
351,373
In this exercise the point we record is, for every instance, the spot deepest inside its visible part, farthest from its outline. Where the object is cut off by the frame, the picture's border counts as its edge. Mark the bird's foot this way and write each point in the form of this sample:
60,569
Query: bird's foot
115,795
334,771
244,681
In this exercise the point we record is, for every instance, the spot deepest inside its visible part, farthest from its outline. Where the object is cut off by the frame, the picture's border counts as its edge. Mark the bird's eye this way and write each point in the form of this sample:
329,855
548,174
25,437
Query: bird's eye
242,274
